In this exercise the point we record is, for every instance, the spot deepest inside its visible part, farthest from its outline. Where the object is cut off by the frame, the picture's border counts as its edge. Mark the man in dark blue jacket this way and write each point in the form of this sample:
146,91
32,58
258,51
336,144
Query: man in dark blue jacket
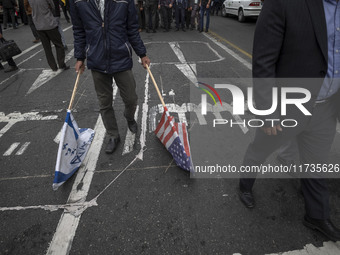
105,32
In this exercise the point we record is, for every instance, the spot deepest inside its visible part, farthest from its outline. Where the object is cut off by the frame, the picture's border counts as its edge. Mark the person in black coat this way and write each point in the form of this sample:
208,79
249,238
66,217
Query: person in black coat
9,11
294,43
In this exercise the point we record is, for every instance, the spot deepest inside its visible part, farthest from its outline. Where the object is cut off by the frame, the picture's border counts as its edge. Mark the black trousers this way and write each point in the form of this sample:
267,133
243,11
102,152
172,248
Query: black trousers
150,16
48,36
32,26
166,16
127,87
314,138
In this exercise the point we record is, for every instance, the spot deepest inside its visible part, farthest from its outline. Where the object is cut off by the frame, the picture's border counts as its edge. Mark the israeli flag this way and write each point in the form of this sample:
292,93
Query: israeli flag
73,146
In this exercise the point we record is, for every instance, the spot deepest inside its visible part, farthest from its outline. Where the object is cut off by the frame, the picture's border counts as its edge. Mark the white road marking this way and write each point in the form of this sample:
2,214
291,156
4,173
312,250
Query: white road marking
130,137
11,149
176,48
48,75
22,148
16,117
229,51
328,248
218,56
145,110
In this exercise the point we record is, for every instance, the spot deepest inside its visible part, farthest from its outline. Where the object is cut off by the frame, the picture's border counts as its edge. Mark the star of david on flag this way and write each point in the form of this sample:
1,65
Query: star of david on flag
73,146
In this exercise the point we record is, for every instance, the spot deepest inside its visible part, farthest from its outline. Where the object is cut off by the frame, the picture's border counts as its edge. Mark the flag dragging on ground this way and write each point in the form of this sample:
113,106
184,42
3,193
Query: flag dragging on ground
73,146
174,136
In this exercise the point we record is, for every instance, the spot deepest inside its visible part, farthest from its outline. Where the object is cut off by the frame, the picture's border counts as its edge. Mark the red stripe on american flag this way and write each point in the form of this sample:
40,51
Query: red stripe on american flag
185,140
168,136
161,123
167,123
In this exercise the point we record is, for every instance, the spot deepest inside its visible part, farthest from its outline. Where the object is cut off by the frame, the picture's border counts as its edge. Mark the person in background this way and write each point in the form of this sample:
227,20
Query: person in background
11,64
9,11
287,32
28,10
56,14
181,6
65,6
47,27
195,14
150,9
139,8
205,9
165,8
22,12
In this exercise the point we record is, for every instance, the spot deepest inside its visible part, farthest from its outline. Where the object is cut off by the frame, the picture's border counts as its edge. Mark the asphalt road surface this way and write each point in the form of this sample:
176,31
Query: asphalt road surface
137,201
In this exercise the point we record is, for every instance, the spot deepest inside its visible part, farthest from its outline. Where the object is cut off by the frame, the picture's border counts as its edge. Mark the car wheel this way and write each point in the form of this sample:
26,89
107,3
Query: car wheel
224,13
241,17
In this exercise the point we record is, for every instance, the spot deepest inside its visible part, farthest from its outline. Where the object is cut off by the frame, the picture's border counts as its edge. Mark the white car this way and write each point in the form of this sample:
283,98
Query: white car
242,8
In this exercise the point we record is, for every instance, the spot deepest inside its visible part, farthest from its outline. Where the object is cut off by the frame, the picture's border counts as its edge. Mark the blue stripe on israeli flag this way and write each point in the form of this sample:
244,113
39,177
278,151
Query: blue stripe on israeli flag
73,146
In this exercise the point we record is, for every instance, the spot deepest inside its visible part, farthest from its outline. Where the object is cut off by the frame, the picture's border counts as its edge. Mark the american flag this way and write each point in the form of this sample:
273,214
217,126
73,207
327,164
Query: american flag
174,136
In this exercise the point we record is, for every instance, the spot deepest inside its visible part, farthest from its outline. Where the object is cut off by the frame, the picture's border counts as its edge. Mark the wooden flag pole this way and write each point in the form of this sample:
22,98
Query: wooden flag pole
74,91
155,84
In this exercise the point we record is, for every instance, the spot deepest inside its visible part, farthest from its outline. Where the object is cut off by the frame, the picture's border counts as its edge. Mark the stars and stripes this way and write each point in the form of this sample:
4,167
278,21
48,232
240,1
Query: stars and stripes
175,139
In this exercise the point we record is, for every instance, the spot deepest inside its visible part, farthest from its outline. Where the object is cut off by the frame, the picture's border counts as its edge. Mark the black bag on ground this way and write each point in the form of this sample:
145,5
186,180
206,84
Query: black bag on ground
8,49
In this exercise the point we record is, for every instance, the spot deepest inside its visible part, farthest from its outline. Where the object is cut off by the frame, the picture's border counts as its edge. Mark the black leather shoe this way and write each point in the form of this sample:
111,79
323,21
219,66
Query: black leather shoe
112,144
247,198
65,67
324,226
133,126
11,69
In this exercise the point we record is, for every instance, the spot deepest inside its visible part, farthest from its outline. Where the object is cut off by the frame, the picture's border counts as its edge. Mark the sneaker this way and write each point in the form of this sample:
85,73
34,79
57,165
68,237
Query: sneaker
11,69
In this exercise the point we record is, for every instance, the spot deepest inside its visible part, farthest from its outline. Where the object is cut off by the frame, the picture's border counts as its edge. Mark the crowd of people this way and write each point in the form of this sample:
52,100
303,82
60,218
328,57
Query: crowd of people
187,14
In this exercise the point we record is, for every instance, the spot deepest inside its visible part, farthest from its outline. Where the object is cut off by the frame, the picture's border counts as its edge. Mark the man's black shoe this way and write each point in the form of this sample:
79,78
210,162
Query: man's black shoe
11,69
65,67
154,31
112,144
324,226
206,30
247,198
133,126
177,29
183,29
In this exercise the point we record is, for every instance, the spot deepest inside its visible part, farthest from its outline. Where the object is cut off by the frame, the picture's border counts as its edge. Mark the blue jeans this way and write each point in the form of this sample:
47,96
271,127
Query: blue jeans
206,10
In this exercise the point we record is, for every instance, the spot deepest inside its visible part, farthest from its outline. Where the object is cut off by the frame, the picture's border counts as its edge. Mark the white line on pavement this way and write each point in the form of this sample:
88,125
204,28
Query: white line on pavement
130,137
22,149
11,149
229,51
145,110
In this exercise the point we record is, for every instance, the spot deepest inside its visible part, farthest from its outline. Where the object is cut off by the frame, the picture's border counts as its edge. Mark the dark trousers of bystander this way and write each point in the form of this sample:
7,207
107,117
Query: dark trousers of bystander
127,87
32,26
48,36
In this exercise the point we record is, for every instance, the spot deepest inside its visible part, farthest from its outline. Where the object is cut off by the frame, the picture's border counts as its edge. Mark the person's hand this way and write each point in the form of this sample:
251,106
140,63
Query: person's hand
141,9
170,5
208,6
159,7
272,130
145,61
80,67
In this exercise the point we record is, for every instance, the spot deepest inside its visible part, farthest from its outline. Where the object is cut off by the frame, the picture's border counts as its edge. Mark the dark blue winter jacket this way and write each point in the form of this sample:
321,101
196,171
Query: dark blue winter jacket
106,44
